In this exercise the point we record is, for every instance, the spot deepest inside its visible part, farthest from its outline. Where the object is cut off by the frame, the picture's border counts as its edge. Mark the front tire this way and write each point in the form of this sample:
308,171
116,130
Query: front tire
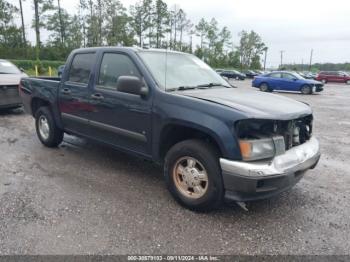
193,175
306,90
47,131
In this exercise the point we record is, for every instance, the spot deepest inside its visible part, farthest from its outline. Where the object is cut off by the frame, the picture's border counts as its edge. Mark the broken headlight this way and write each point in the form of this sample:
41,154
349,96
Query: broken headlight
263,148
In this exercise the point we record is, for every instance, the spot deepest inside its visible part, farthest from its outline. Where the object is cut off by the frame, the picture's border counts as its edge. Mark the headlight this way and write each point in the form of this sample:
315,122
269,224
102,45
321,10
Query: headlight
254,149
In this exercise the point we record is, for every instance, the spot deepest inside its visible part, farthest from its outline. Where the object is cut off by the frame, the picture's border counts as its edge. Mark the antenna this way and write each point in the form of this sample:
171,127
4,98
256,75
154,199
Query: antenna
166,65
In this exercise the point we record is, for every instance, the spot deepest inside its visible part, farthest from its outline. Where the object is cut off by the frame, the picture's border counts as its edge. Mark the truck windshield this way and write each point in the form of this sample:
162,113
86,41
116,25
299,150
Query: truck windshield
8,68
174,71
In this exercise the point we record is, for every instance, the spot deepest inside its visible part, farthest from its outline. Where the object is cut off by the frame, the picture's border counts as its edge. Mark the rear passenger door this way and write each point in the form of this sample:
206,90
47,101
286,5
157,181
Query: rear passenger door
120,119
74,93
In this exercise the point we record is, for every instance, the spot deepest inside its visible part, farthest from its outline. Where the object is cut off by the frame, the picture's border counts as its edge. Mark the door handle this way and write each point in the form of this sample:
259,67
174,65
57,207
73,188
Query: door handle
97,96
66,91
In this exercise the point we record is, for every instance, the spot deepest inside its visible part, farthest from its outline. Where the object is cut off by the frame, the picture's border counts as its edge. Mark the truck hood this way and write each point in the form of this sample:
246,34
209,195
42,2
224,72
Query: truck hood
254,104
11,79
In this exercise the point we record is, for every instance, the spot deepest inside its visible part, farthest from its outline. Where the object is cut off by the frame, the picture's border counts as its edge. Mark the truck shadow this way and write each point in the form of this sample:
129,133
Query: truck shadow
7,112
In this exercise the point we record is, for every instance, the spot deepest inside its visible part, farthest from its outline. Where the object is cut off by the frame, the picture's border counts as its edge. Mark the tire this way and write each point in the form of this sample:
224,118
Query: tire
264,87
348,82
237,78
46,129
206,161
306,90
324,81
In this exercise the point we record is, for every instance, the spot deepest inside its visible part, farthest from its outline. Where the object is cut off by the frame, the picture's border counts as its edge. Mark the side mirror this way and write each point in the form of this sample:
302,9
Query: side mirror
132,85
21,69
295,79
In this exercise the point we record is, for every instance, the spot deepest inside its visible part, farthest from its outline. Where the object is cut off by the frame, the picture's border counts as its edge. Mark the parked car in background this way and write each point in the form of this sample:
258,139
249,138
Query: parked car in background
250,74
233,74
333,76
259,72
60,70
214,142
307,75
286,81
10,77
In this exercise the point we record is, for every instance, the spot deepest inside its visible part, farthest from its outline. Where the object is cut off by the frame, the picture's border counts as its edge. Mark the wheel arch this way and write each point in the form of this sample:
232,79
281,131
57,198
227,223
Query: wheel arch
173,133
38,102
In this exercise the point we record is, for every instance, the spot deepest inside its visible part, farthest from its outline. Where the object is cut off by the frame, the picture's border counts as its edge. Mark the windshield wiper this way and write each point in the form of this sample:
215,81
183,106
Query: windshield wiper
212,84
209,85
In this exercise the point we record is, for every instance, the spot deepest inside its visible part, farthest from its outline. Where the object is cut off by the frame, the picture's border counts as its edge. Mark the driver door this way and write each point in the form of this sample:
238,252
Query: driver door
120,119
290,82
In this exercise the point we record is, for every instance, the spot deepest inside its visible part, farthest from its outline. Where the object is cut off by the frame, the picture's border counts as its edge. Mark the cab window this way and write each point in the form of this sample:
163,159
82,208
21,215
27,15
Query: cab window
81,67
113,66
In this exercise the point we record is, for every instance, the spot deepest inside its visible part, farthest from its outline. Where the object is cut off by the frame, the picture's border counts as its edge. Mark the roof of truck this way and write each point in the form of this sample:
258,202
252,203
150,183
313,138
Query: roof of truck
129,48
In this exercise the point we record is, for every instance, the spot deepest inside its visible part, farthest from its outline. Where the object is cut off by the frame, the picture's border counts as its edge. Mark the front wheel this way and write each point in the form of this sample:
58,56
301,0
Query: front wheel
193,175
306,89
47,131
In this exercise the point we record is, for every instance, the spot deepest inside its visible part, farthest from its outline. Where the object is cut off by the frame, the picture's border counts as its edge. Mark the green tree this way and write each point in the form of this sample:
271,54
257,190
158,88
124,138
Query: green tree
161,21
202,28
117,30
140,18
250,48
8,29
183,25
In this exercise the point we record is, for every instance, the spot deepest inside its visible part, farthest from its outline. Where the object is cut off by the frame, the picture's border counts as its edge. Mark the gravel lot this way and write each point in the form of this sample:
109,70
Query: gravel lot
83,198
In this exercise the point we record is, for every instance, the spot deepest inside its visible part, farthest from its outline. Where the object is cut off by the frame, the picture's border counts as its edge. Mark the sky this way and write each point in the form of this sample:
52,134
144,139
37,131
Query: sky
294,27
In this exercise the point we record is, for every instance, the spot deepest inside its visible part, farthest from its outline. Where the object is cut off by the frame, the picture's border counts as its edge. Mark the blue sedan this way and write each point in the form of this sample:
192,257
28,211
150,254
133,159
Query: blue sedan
286,81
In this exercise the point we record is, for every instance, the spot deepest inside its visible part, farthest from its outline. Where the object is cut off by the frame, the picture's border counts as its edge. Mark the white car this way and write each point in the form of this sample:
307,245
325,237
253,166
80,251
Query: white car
10,77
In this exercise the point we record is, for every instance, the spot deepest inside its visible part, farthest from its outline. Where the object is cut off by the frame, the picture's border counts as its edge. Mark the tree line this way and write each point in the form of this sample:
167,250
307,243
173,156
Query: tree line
148,23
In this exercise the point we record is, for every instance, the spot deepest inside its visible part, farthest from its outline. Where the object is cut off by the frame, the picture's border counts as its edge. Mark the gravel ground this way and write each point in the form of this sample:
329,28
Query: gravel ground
83,198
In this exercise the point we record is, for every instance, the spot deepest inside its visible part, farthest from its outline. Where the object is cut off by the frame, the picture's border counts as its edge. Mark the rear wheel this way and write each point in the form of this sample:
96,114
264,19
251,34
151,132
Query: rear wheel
193,175
306,89
264,87
47,131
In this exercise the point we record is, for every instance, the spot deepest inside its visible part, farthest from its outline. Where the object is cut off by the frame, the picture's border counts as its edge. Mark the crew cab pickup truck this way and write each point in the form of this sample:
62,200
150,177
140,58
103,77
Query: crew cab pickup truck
214,141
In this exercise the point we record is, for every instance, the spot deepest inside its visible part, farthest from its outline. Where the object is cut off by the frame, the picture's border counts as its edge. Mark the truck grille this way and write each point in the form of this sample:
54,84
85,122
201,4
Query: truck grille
295,132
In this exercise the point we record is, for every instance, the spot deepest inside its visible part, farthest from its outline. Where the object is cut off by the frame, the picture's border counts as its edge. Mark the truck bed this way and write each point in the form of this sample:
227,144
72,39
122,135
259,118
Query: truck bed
39,87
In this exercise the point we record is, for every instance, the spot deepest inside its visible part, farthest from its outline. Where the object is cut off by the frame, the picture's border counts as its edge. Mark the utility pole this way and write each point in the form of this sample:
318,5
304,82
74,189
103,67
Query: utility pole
282,51
311,59
265,49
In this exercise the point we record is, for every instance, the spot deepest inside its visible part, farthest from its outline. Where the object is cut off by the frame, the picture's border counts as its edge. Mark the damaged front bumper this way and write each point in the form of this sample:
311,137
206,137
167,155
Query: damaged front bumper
246,181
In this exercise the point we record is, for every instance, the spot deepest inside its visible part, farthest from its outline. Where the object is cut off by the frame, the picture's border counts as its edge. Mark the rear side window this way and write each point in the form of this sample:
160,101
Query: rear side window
112,67
81,67
275,75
